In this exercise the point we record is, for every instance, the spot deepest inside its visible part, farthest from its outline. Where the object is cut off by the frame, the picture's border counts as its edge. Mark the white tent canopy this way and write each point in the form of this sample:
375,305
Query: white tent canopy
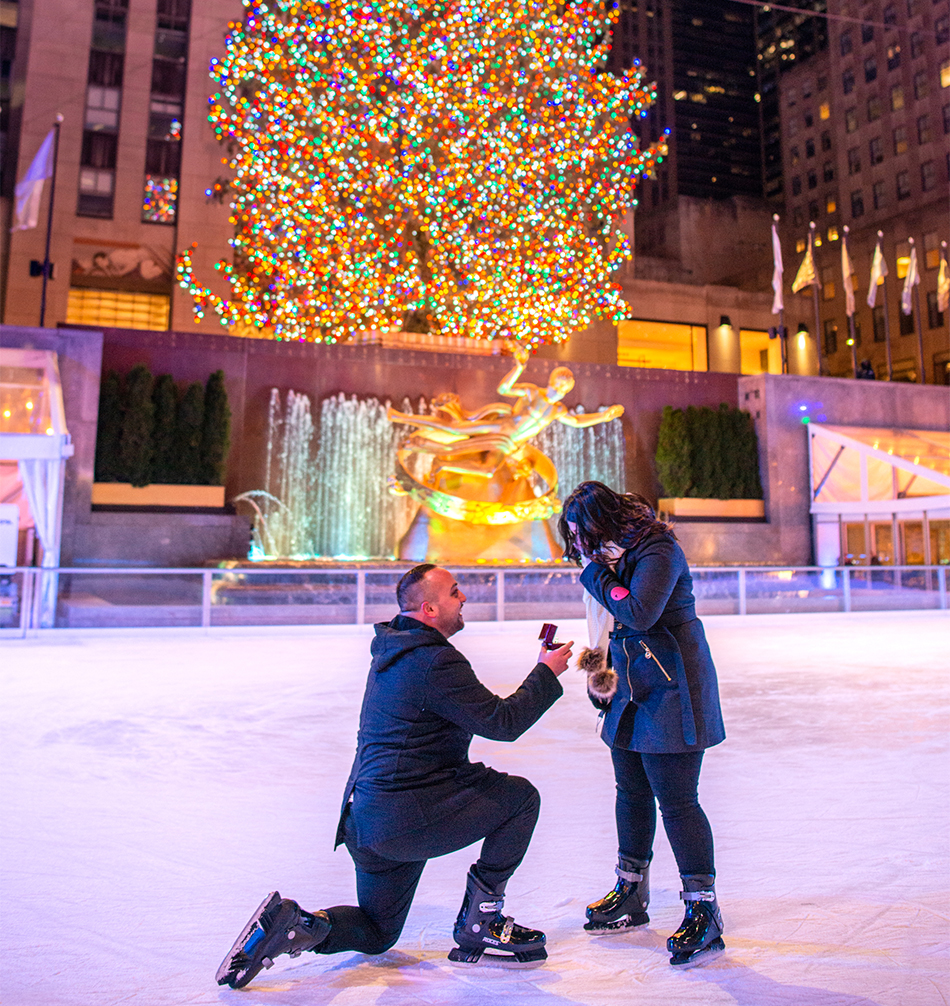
877,470
881,478
33,433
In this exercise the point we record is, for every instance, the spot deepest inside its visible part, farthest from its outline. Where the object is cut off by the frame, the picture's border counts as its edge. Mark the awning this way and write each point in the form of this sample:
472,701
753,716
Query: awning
878,470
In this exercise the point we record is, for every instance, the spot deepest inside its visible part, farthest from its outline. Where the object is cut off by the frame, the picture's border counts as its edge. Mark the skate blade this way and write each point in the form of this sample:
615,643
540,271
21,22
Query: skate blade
226,973
482,958
683,961
624,925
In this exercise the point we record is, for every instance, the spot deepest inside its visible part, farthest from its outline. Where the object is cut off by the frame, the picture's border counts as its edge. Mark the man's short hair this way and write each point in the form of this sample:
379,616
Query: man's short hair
410,592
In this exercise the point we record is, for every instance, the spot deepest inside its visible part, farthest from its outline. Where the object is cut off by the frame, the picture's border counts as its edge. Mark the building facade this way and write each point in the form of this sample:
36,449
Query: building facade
866,145
139,173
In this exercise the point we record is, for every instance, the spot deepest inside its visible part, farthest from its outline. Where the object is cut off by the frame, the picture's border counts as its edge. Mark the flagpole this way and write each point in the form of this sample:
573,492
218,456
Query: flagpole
846,280
814,289
918,326
946,310
782,338
887,320
49,220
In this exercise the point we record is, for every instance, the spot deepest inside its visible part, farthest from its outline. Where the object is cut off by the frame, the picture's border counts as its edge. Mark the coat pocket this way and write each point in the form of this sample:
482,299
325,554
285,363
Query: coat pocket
650,665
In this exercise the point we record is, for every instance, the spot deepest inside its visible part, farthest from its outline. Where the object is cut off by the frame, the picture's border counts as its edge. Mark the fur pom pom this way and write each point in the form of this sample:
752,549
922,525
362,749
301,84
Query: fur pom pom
601,679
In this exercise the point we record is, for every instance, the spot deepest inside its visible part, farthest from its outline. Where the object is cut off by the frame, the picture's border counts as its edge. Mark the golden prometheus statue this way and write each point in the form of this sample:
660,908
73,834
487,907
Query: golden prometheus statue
479,469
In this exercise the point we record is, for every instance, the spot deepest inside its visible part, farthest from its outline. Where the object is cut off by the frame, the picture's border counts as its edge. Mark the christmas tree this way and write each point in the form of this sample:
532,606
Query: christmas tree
461,167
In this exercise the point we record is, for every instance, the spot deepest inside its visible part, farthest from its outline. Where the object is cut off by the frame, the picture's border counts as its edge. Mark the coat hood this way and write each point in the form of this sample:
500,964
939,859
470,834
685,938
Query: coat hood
400,636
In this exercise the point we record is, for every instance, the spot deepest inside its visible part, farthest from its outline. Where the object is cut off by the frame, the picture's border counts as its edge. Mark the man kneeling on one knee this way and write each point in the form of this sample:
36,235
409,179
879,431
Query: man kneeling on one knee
413,794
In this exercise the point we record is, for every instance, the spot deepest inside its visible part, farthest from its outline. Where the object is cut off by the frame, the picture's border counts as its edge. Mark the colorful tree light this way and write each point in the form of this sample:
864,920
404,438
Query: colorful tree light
463,166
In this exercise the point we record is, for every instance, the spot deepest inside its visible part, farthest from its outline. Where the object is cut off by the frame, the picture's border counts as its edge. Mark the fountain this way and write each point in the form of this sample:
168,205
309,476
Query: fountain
325,492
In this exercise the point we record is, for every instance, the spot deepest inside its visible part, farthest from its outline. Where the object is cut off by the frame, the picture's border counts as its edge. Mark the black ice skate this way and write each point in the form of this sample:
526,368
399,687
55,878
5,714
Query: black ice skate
625,907
279,926
699,937
481,928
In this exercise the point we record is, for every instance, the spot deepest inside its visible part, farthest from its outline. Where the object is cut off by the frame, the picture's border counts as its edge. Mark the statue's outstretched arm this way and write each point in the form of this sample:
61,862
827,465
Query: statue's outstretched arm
508,386
591,418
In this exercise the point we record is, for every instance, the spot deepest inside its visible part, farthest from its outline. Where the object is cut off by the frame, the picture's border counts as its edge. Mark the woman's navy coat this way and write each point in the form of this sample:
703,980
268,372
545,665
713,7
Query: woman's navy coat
651,598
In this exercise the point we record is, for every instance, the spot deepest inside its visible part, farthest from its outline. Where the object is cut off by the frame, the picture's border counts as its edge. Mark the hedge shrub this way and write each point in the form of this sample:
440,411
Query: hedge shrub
149,432
708,453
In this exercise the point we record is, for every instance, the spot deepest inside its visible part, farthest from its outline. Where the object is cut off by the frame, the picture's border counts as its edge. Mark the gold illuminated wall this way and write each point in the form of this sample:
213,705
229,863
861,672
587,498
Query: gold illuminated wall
758,353
661,345
116,309
665,345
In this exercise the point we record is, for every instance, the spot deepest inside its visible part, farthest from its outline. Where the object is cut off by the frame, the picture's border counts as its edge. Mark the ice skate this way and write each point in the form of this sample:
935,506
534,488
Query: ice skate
279,926
481,928
699,937
625,907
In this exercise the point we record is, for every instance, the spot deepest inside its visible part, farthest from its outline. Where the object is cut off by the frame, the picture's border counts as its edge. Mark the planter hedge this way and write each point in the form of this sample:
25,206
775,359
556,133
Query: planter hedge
151,433
708,453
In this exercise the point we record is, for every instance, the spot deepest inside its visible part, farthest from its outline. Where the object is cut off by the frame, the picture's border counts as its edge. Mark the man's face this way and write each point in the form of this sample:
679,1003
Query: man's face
444,602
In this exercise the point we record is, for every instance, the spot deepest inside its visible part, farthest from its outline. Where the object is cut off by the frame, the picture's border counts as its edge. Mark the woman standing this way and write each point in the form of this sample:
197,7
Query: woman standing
655,684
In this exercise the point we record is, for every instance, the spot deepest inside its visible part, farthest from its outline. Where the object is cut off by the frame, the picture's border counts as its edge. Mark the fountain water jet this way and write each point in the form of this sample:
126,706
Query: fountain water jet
325,491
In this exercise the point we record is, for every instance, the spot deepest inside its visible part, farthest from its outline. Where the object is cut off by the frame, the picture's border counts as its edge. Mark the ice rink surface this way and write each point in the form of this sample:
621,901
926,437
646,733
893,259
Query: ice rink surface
156,785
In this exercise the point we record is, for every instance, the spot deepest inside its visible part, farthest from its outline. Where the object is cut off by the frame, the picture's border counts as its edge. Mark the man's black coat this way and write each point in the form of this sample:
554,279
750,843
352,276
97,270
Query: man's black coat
422,705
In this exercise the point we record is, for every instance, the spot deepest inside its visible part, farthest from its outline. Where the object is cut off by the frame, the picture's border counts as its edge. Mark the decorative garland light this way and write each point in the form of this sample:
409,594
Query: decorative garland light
466,164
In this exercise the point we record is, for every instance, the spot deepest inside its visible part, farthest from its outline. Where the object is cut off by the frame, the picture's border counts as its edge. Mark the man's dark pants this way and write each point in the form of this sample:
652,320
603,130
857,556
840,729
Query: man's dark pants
387,874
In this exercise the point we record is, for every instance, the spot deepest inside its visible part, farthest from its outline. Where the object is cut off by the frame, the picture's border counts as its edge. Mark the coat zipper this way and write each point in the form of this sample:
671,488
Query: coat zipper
652,656
627,656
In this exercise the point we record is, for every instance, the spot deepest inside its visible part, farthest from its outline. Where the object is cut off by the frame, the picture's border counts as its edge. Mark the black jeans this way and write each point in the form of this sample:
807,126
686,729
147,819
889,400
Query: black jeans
387,874
673,781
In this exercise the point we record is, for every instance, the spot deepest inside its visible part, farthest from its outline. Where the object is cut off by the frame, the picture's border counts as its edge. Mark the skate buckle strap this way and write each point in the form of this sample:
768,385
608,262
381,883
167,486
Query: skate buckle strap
631,878
506,932
697,895
490,907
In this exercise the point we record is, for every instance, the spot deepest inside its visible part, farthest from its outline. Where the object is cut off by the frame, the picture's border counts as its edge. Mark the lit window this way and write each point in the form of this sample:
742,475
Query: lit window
96,182
903,259
900,140
661,345
116,309
800,245
158,201
897,97
931,250
945,73
824,110
831,203
102,107
832,233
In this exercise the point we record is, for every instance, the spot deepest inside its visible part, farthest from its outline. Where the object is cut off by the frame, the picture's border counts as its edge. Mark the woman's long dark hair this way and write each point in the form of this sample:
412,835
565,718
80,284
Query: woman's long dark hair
601,516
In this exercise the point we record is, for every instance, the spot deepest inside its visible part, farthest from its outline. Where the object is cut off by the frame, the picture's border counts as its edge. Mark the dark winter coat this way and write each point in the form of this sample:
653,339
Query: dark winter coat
422,705
667,699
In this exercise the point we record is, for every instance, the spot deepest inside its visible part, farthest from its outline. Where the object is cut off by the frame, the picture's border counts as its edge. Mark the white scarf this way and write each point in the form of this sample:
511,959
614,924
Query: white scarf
599,619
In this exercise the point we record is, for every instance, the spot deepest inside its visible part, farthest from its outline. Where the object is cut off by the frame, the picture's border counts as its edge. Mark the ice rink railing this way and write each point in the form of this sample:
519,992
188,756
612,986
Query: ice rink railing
209,597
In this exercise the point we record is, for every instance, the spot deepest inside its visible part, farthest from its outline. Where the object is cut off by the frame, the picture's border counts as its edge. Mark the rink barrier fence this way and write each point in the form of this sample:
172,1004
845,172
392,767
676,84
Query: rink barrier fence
208,598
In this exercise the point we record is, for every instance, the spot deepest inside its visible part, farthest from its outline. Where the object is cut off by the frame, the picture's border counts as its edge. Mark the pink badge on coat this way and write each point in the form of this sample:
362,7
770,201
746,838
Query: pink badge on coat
618,593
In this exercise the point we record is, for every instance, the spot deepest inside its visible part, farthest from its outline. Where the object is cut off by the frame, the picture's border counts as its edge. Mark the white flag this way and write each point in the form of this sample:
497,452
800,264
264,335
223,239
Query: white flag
778,304
29,191
943,284
847,274
806,275
910,281
878,272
